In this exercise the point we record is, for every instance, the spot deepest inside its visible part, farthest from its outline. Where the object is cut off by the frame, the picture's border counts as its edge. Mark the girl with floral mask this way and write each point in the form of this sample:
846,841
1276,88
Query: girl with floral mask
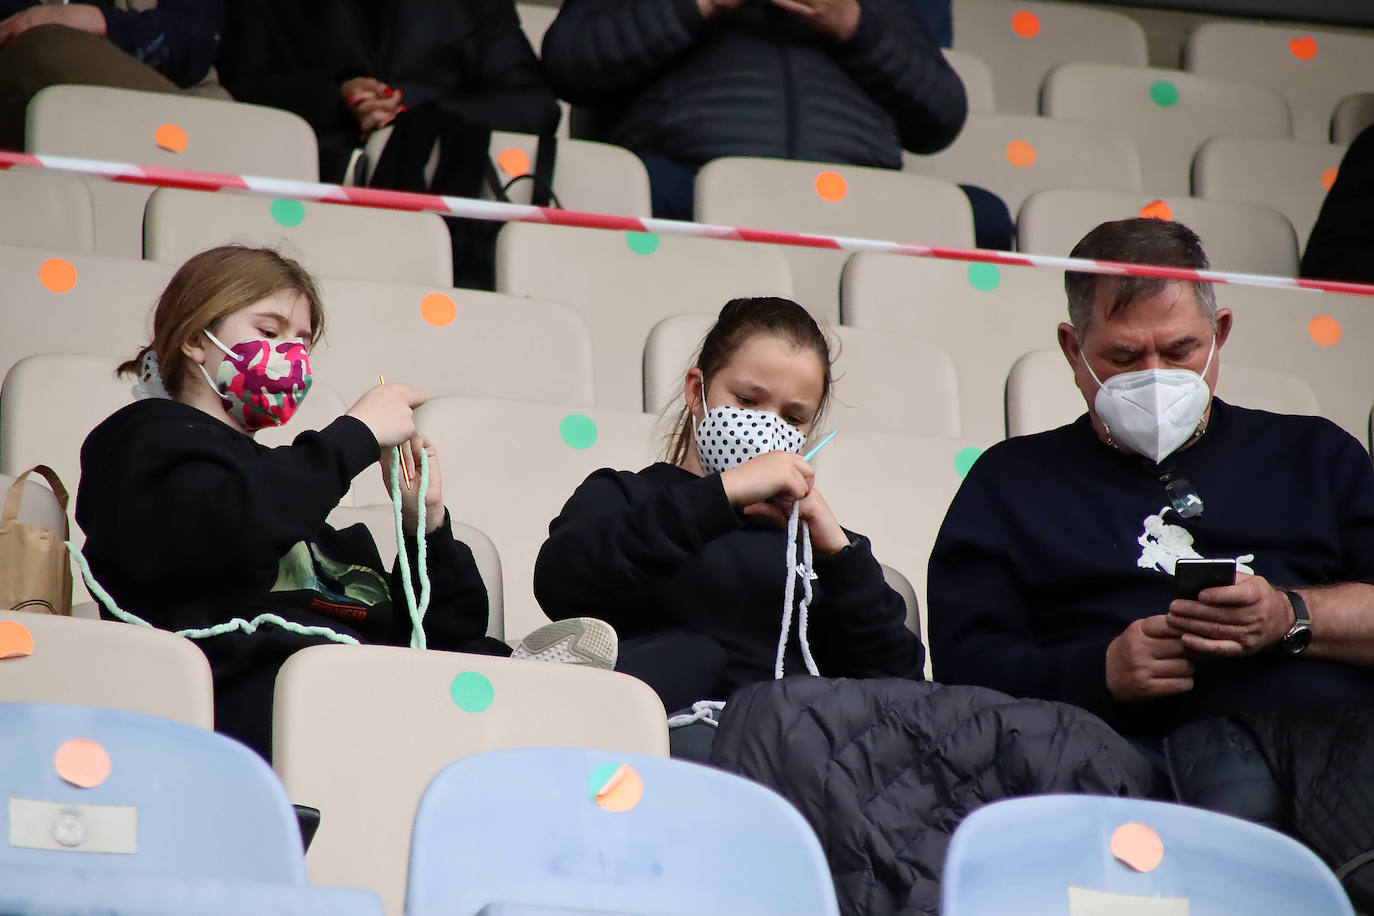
699,543
195,527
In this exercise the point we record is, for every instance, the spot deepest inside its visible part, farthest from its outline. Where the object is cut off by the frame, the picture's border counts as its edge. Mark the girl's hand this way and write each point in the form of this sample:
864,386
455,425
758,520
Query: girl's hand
372,102
389,411
827,537
410,496
780,476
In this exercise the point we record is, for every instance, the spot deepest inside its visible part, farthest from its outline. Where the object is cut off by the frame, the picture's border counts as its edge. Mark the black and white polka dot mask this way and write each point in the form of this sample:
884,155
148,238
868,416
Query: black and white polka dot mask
729,436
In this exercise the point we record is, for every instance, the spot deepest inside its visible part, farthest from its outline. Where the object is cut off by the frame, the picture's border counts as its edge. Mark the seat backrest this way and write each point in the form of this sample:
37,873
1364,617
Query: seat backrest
602,832
360,243
622,283
982,315
1111,854
884,381
790,196
359,731
587,175
452,341
1243,237
105,664
1168,114
46,210
1314,70
1354,113
1023,41
1016,155
976,76
168,131
895,489
1041,394
509,467
535,19
1292,176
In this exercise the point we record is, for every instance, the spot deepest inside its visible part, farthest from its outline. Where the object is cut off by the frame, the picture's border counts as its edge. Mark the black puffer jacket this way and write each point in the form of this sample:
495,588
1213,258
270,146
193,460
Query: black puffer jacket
884,770
755,81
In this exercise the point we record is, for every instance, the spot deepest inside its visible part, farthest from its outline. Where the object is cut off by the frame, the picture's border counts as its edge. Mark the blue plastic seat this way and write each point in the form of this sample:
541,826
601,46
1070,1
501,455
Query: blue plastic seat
1025,855
171,819
523,832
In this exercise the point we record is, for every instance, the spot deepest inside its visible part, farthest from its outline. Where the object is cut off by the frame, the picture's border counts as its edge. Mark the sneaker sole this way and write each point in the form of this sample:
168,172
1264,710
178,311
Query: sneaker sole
580,641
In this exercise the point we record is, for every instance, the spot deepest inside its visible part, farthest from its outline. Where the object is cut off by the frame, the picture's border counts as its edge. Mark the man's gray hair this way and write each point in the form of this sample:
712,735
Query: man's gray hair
1135,241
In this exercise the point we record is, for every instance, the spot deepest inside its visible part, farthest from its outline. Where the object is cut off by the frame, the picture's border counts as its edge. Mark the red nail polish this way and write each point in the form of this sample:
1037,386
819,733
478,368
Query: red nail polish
401,109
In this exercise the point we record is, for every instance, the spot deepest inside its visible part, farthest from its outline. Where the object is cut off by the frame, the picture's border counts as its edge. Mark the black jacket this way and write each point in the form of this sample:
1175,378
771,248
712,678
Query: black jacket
663,550
1343,237
188,521
468,60
755,81
884,770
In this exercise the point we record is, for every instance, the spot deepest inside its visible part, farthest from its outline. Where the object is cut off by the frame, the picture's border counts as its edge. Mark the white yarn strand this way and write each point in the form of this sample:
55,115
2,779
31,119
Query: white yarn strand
417,609
790,593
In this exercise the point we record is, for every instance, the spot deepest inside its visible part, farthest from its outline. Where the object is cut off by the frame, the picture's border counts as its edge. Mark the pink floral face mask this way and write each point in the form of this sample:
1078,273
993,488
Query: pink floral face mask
262,382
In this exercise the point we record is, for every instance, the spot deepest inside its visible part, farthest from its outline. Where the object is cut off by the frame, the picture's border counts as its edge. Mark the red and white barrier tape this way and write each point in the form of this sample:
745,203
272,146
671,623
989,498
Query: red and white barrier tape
502,212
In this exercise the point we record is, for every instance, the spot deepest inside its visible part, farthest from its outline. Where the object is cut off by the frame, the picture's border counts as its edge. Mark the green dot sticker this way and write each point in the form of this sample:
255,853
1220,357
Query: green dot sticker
963,460
642,242
601,776
1164,94
578,431
472,691
288,212
983,276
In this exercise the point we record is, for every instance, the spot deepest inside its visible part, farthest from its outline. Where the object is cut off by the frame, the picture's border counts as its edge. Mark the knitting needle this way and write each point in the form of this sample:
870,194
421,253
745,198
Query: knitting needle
406,470
819,445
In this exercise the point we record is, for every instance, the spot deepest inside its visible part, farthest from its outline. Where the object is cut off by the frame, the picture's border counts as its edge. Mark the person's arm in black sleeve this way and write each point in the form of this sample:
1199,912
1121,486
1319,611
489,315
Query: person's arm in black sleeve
858,629
177,38
979,623
605,554
598,49
505,89
893,59
458,609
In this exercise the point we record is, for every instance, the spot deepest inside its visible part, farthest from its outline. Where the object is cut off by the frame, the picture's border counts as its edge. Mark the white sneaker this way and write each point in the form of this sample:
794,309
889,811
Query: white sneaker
578,641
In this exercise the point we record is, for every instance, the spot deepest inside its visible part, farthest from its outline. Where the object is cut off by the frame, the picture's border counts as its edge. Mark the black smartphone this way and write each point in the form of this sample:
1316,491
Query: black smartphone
1191,576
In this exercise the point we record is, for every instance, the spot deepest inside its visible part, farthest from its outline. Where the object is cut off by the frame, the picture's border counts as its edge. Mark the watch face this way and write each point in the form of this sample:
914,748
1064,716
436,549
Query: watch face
1297,640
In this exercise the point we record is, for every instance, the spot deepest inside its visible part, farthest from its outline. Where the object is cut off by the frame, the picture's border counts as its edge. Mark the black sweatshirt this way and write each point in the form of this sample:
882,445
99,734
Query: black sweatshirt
664,550
1049,551
187,521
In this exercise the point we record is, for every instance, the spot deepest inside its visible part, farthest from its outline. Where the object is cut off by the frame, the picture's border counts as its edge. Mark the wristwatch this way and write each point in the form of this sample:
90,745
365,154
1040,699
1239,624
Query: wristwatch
1299,636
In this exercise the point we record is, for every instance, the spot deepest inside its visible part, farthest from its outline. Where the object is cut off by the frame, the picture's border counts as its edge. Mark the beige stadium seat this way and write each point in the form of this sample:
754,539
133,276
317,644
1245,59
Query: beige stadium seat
1041,393
884,381
1353,114
42,209
895,489
1314,70
452,341
60,302
109,665
589,176
1168,114
359,731
1014,156
983,316
976,76
330,240
622,283
510,466
169,131
535,19
1292,176
790,196
1023,40
1247,238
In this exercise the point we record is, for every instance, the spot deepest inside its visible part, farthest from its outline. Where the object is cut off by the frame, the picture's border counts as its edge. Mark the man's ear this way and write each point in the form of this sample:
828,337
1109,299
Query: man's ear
1225,321
1068,344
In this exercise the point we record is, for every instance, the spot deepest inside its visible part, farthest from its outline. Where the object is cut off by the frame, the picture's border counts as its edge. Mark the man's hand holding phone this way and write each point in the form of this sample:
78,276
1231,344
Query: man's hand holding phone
1227,616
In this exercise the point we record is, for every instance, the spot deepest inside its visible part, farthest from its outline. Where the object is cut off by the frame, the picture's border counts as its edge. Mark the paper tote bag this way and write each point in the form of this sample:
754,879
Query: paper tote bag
35,574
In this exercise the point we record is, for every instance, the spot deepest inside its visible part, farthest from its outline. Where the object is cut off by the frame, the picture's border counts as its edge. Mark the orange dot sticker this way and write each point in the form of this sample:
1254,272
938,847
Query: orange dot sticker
1021,154
83,763
1324,330
514,161
1304,48
1329,178
1138,846
831,186
616,787
57,275
438,309
170,137
1026,24
1157,209
15,639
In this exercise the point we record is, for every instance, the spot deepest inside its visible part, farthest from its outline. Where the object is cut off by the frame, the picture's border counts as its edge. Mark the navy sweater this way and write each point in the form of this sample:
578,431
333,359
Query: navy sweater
1044,558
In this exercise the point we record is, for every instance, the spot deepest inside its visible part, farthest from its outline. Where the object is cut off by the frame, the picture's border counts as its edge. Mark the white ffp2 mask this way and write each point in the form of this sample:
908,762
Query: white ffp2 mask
1153,412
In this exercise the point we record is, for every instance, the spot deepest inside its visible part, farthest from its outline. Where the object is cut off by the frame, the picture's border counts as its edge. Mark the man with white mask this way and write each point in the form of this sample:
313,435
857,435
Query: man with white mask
1053,574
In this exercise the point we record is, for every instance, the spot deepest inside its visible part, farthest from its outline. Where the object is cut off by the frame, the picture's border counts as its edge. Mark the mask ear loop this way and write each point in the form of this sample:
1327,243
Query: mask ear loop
417,609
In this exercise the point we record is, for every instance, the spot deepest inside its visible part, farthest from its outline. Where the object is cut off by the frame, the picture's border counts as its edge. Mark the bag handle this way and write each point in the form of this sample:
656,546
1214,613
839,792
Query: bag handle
16,492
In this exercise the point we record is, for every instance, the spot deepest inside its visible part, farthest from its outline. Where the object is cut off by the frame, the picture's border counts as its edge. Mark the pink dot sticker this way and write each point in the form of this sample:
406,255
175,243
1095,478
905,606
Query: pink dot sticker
1138,846
831,186
1304,48
616,788
1026,24
83,763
